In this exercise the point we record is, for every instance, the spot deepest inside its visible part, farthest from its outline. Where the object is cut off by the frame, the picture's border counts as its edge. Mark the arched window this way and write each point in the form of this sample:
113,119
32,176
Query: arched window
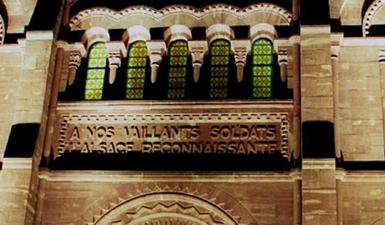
178,57
136,70
97,61
219,68
262,68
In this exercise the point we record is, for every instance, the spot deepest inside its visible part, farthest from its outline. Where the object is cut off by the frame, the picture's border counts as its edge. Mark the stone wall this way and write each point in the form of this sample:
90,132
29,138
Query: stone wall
360,102
251,198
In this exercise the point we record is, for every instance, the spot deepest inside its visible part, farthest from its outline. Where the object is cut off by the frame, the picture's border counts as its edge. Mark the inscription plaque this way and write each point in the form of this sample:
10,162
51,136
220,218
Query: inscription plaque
172,134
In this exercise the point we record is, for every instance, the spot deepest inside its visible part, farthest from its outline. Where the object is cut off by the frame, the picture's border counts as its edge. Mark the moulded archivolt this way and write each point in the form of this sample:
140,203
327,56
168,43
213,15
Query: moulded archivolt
181,14
2,30
370,15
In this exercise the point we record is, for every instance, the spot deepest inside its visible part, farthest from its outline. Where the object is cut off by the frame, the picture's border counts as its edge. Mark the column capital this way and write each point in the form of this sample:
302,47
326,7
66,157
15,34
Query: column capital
240,49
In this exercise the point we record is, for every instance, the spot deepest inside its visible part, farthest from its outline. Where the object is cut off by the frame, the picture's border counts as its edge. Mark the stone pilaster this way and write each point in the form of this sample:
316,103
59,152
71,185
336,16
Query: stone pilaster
316,74
115,52
319,195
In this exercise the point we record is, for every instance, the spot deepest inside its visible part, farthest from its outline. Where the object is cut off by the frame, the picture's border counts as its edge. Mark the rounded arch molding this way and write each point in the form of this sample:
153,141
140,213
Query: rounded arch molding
174,206
186,15
370,15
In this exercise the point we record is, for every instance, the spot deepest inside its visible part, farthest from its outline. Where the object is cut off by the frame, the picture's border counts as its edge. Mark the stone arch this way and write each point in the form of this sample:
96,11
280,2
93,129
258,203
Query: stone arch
180,207
181,14
374,14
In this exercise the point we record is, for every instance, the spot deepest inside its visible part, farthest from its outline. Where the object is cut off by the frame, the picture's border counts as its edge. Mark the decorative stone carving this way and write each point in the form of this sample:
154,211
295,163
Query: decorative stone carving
370,14
198,50
240,49
219,31
283,61
115,52
166,208
150,17
95,34
156,49
2,30
136,33
262,30
177,32
74,63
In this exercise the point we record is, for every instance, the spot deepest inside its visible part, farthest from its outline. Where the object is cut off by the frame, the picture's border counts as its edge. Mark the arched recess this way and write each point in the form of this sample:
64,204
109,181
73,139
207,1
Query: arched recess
178,59
219,53
182,208
262,68
96,70
136,70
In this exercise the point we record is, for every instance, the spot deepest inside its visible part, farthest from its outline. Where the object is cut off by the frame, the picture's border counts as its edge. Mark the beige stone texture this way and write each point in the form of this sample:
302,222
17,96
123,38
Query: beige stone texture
360,104
316,76
14,185
254,198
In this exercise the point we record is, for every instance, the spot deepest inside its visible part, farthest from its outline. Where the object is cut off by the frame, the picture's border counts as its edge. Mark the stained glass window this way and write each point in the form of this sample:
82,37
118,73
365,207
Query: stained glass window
97,61
262,68
178,57
219,68
136,70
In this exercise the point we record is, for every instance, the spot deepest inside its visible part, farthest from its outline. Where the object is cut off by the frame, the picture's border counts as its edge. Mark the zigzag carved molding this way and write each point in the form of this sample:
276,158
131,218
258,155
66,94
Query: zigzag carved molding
181,204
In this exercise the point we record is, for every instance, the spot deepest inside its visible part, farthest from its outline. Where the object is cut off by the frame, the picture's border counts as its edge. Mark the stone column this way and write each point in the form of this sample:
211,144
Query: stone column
156,50
240,49
115,52
319,195
295,40
75,59
198,50
282,61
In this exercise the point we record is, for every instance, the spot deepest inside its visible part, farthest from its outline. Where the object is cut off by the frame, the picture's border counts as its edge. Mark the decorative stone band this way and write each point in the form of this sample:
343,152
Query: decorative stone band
195,132
370,15
212,14
2,30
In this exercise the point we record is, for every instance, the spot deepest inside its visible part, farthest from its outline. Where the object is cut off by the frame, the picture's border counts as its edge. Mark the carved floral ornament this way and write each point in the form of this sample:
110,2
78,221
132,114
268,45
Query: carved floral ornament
188,15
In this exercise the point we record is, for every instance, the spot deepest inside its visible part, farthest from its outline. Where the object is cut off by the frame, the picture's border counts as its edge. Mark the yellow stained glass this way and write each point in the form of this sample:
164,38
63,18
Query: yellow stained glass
136,71
219,68
97,61
262,69
178,59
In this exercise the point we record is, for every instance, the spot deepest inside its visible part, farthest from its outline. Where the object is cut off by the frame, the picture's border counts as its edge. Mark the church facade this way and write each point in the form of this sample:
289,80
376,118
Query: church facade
191,113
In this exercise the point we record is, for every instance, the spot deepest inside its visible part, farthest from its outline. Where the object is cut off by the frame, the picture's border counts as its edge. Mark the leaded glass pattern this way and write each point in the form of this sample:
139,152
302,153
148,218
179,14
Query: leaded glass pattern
219,68
97,61
178,58
136,70
262,69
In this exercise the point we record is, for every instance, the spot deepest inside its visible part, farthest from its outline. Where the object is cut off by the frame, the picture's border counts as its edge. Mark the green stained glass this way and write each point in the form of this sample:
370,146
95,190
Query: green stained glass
97,61
178,59
136,71
262,69
219,70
